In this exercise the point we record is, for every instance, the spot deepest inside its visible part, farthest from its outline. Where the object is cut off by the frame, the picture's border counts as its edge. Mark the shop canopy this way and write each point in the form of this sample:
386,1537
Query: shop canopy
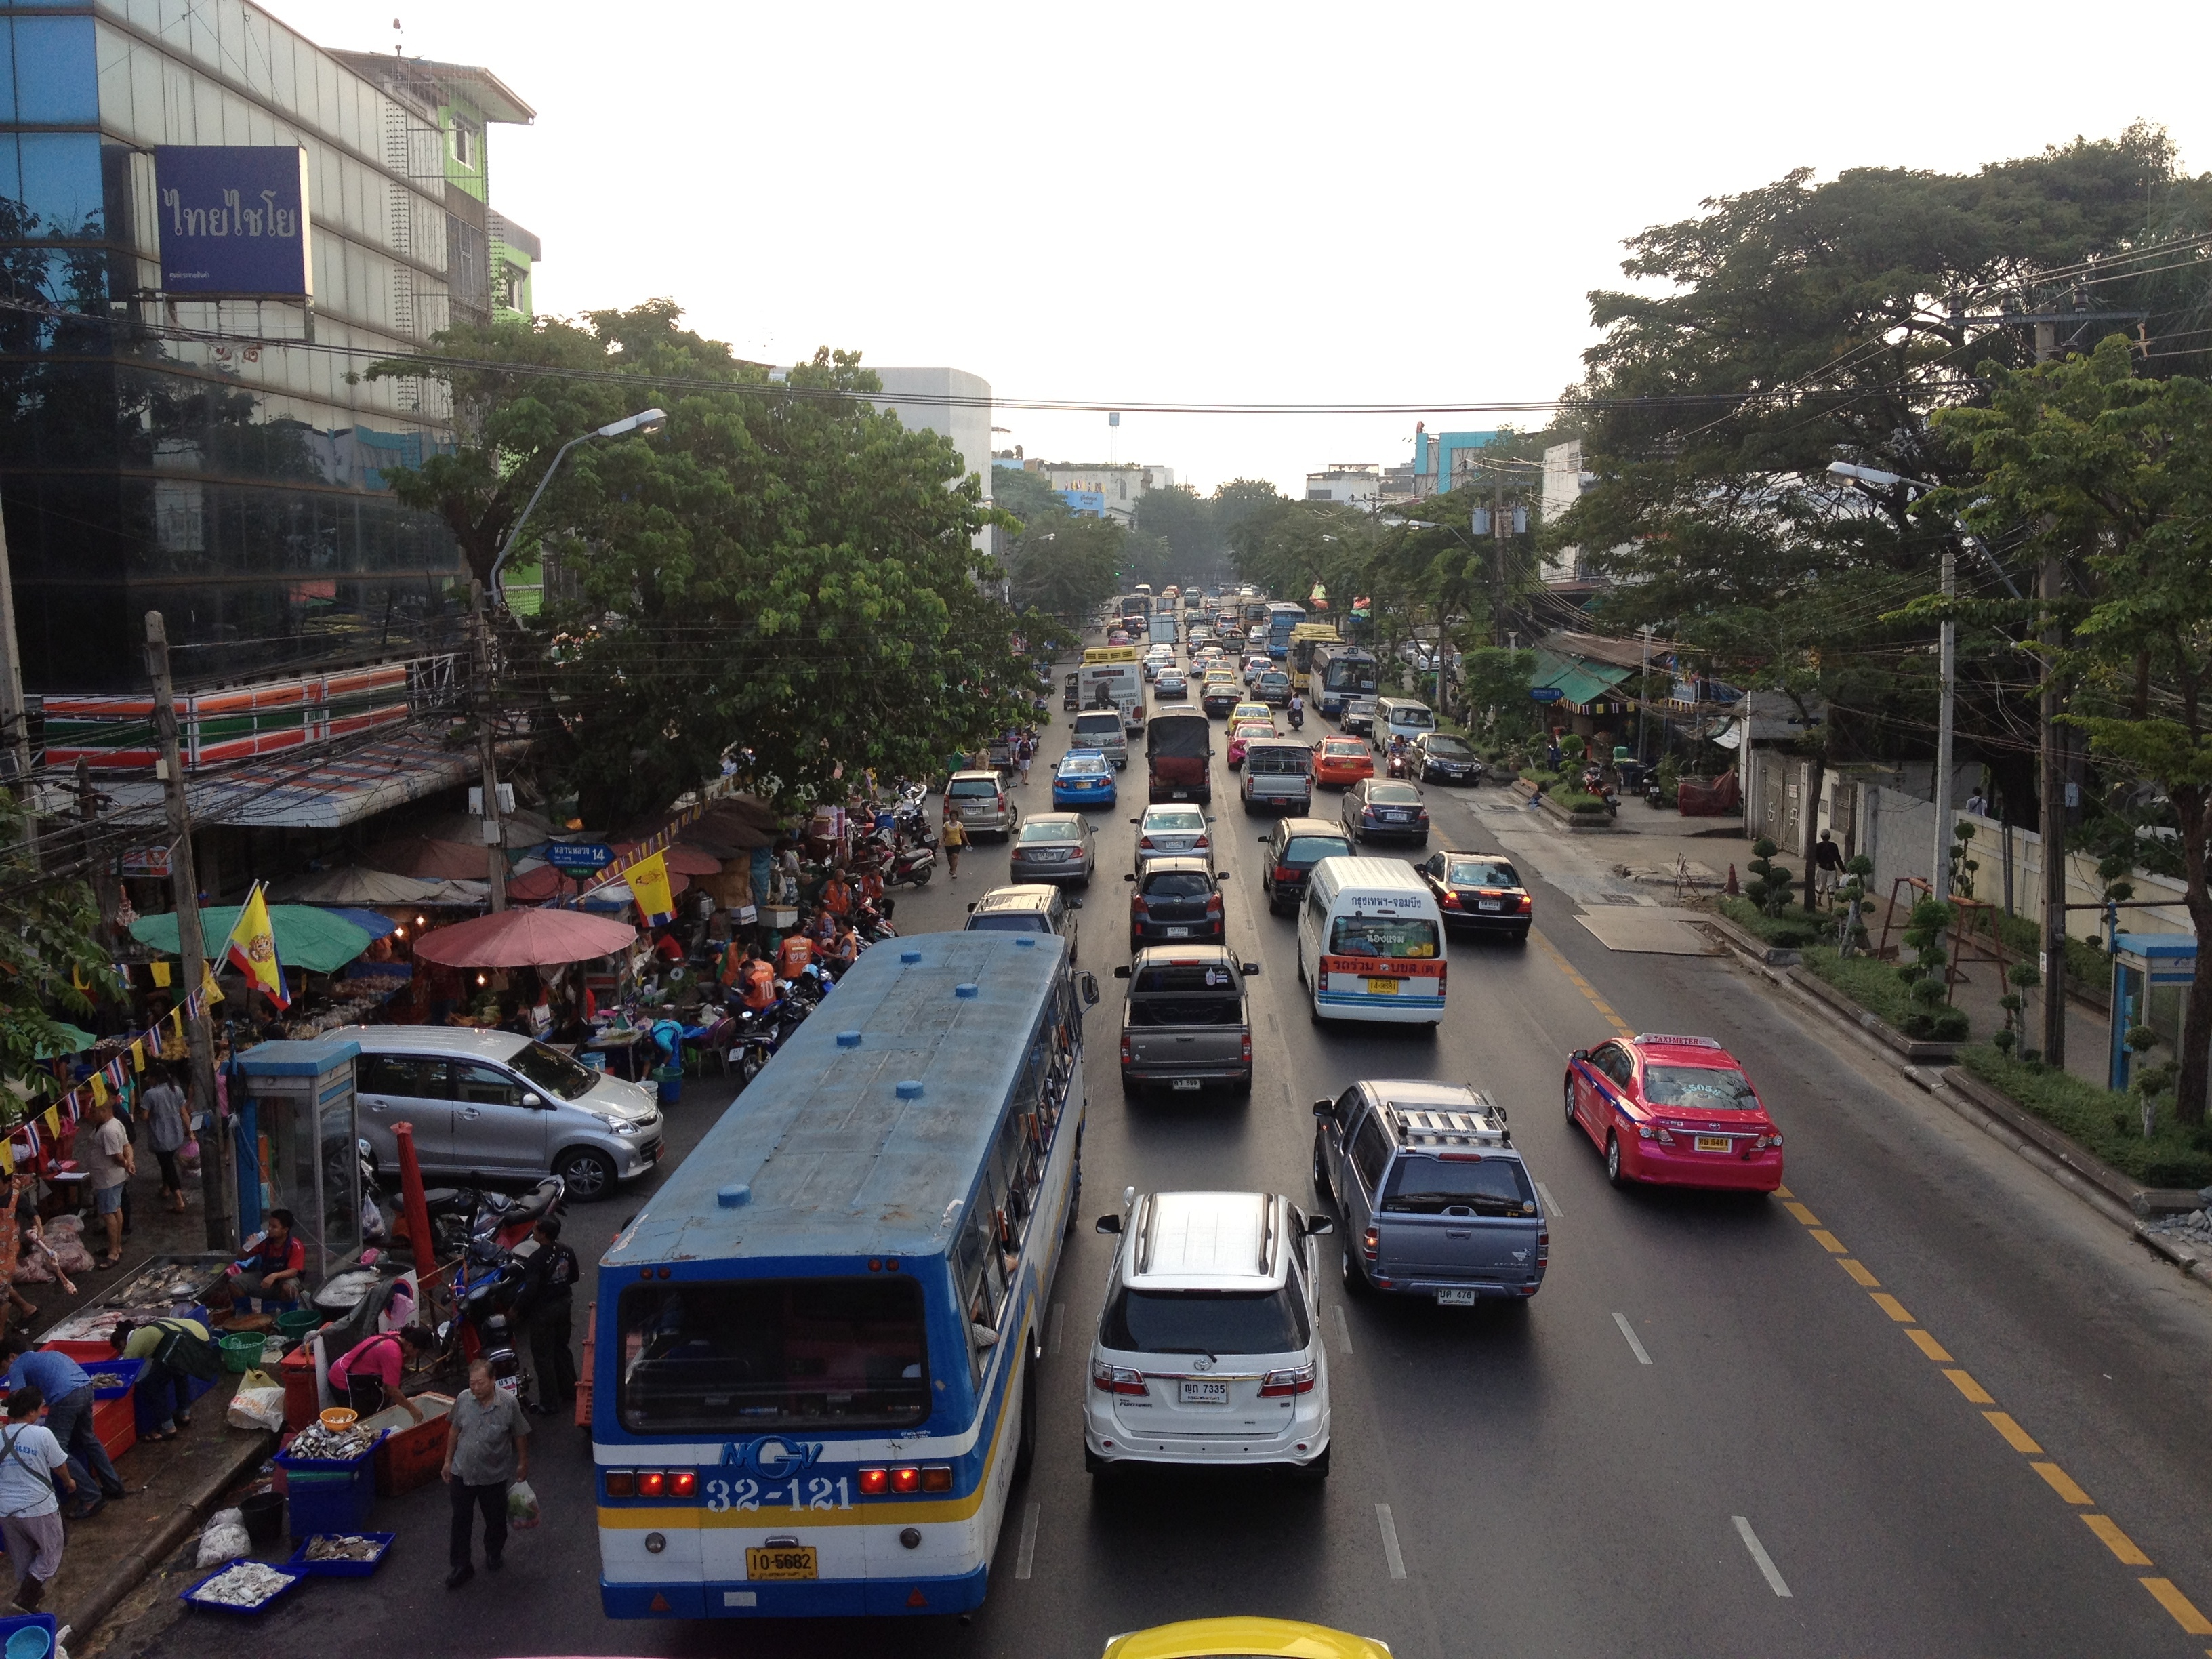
307,938
427,859
354,885
682,860
525,938
1578,680
375,923
74,1040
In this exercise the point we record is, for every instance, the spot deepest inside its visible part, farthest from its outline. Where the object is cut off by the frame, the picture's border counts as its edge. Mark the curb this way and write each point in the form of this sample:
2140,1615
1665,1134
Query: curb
133,1568
1750,945
2103,1189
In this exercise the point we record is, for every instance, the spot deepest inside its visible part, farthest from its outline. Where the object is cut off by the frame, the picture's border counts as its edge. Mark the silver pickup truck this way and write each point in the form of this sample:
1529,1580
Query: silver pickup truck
1186,1022
1435,1201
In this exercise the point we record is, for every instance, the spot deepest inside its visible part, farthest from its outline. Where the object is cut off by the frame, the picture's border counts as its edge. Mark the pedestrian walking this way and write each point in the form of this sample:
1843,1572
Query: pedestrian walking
163,1106
34,1474
1024,755
108,1157
370,1374
953,840
548,1302
486,1451
67,1389
1828,865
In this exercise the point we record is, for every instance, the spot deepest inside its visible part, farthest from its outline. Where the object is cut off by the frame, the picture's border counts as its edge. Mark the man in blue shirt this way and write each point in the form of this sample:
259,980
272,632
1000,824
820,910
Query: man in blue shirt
68,1391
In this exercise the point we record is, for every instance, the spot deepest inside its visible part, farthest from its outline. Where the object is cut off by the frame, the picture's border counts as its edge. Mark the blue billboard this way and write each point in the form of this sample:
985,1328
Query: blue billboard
234,219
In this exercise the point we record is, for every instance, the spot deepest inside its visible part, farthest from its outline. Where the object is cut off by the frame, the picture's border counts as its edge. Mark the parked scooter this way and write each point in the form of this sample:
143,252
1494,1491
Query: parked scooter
906,866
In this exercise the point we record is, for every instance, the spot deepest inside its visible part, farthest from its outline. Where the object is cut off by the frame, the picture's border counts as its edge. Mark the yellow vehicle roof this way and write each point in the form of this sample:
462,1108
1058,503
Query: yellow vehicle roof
1279,1639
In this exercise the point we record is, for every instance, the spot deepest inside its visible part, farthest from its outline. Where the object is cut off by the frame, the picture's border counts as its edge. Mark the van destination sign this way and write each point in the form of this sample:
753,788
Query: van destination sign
234,219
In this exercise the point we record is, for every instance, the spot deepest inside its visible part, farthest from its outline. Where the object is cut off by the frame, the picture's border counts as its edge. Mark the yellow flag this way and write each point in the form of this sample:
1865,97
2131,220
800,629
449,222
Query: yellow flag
160,974
648,885
53,1120
7,1158
139,1055
210,993
98,1089
252,949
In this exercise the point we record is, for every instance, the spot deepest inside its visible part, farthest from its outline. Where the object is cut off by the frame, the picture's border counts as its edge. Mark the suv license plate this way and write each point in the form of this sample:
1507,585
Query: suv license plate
1455,1297
781,1561
1712,1142
1202,1391
1183,1083
1381,988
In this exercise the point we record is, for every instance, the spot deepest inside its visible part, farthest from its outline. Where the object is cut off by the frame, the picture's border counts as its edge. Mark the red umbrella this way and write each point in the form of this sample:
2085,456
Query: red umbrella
525,938
536,886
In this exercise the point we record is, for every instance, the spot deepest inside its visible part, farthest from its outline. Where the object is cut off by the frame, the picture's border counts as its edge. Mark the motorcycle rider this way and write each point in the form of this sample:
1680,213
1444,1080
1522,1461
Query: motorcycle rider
872,886
1397,754
1297,712
755,983
792,955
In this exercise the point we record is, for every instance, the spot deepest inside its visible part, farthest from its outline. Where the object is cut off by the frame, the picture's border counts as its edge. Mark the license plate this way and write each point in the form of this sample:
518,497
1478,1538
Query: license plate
1381,988
1202,1391
1455,1297
1178,932
1182,794
781,1561
1712,1142
1183,1083
1488,904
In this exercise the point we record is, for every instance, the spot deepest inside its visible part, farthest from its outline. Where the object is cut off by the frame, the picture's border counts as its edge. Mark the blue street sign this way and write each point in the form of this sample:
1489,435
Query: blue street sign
578,855
1545,693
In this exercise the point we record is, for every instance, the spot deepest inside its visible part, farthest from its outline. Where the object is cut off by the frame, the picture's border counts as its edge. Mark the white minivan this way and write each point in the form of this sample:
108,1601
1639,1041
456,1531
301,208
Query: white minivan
1371,943
1402,717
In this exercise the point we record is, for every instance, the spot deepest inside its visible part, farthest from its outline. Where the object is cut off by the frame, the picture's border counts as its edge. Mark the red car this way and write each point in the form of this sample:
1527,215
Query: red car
1675,1111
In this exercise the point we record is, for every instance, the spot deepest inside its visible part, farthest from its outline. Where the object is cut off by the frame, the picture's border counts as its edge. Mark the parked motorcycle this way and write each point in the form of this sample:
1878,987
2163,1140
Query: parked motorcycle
872,923
906,866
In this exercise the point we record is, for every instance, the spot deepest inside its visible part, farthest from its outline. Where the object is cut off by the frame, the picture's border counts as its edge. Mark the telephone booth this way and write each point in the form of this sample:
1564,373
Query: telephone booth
298,1147
2151,974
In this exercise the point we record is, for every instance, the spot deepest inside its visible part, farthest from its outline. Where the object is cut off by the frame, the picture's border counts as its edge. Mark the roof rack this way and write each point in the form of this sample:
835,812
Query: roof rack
1432,1125
1663,1039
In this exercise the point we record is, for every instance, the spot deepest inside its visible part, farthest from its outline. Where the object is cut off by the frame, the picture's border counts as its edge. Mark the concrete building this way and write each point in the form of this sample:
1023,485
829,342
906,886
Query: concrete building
1435,454
1356,484
1119,486
1564,481
947,400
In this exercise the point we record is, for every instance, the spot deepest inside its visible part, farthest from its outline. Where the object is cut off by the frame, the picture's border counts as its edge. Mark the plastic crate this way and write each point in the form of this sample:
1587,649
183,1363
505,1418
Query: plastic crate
116,1422
323,1495
299,1563
190,1596
413,1456
10,1627
85,1354
128,1369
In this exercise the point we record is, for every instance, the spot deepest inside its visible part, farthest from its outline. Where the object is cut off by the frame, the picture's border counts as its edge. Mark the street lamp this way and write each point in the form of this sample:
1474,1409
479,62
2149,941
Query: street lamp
647,420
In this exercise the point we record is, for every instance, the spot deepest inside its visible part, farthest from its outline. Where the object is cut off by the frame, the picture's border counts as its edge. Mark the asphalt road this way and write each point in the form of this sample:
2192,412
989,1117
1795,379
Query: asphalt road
1926,1404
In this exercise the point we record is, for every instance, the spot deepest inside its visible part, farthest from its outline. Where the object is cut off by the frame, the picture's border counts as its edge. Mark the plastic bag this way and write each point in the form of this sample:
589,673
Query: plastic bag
223,1539
521,1506
257,1408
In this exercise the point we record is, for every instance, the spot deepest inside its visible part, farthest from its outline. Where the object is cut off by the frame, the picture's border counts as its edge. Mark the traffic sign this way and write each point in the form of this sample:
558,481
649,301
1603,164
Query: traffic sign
1545,693
579,854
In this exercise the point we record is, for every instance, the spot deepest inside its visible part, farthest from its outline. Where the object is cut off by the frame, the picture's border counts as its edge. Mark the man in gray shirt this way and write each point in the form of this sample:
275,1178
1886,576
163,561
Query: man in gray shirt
163,1107
487,1451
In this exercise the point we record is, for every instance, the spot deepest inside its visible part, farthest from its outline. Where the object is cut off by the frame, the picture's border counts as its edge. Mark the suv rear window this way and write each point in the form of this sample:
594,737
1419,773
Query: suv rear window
1010,921
1429,1185
973,788
1310,850
1201,976
1178,884
1204,1322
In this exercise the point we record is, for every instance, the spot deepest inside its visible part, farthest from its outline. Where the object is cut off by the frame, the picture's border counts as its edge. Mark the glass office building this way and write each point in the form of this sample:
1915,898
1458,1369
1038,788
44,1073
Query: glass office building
222,460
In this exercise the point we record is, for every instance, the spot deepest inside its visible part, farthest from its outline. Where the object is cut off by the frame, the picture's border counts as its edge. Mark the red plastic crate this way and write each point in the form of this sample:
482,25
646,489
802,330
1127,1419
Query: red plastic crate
410,1457
83,1352
116,1422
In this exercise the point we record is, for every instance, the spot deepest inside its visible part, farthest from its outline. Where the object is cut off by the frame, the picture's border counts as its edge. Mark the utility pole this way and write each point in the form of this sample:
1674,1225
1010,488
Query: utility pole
2051,580
1643,688
217,1162
1939,881
14,718
495,834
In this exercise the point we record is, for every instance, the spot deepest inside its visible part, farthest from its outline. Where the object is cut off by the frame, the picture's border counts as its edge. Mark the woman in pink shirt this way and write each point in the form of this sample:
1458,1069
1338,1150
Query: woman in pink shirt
370,1374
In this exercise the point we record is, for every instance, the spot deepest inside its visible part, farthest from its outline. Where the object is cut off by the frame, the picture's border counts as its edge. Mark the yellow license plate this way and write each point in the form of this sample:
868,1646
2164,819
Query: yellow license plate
1381,988
781,1561
1712,1142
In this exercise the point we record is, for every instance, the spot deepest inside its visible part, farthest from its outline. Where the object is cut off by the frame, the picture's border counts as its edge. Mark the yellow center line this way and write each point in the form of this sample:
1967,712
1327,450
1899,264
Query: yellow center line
2015,1436
2062,1483
1974,1391
1858,1272
1589,991
1890,1305
2183,1609
2116,1540
1929,1346
1801,1214
1829,1242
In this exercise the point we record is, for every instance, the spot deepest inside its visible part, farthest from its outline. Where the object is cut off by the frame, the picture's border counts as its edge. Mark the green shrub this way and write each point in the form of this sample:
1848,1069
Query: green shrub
1576,801
1875,986
2086,965
2107,1123
1794,928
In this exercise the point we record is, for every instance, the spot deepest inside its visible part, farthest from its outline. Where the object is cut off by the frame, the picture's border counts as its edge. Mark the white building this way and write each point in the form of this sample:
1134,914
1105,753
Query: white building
1356,484
947,400
1122,484
1564,481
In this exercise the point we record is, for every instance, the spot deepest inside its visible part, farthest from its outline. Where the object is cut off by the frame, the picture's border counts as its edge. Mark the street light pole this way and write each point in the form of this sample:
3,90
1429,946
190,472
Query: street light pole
1938,884
647,420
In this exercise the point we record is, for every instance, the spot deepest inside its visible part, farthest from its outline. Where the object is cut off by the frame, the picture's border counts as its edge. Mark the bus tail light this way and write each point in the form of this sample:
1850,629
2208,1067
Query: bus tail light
1300,1381
873,1483
907,1478
937,1477
651,1483
620,1483
683,1483
1113,1379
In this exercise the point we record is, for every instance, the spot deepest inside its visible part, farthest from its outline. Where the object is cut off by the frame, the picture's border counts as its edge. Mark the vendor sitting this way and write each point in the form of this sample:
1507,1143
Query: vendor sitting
368,1375
273,1266
842,951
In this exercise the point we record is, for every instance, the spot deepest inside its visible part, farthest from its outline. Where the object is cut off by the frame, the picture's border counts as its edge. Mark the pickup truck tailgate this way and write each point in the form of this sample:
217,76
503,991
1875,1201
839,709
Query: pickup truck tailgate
1444,1246
1174,1050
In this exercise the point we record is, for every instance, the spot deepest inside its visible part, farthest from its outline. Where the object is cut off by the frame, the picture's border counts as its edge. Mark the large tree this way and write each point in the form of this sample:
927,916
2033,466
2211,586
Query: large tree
51,958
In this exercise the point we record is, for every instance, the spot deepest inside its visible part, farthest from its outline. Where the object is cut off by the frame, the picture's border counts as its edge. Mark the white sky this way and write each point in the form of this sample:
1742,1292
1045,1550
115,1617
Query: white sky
1225,203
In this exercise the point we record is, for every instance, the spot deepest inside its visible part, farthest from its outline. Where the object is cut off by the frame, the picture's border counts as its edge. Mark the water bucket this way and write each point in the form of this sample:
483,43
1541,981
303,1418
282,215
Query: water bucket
670,1079
296,1322
242,1351
263,1514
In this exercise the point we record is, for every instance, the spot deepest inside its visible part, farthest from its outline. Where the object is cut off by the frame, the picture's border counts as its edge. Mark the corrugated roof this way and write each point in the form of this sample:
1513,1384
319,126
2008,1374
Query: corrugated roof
1577,681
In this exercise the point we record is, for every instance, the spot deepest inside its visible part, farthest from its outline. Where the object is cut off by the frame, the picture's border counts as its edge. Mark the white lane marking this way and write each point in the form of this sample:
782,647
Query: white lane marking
1343,1329
1058,1309
1758,1555
1551,1205
1628,1331
1391,1541
1026,1556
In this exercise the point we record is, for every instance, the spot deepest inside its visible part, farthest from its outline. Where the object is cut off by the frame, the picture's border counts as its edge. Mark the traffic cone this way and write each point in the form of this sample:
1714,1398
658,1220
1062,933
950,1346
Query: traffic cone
1731,889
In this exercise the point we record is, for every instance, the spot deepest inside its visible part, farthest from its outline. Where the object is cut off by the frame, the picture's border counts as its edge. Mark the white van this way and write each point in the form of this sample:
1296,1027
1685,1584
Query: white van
1402,717
1371,943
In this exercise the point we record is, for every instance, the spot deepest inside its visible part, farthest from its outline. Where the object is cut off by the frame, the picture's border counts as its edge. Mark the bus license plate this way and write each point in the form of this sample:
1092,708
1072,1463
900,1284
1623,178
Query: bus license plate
1455,1297
1712,1142
1203,1391
1381,988
781,1561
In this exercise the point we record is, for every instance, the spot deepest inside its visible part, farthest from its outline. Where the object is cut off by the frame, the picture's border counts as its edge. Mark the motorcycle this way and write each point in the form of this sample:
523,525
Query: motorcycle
873,922
907,866
1400,765
1298,718
458,1214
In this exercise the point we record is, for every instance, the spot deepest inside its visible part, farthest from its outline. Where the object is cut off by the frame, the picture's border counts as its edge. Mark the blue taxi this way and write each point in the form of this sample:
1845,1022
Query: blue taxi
1084,780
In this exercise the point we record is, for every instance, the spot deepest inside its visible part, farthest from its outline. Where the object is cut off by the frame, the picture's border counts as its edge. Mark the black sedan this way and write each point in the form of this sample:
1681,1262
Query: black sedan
1383,809
1220,696
1440,757
1481,892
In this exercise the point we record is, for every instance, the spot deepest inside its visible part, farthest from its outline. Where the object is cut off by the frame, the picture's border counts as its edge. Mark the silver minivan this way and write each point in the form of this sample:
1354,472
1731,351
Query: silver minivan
495,1104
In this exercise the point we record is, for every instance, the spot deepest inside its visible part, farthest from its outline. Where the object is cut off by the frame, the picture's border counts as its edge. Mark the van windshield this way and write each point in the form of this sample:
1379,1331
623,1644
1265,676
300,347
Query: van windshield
1430,1186
1406,937
746,1356
1416,718
553,1071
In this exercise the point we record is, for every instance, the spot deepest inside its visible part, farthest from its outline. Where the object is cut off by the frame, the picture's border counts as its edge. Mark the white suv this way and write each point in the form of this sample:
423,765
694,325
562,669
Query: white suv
1209,1347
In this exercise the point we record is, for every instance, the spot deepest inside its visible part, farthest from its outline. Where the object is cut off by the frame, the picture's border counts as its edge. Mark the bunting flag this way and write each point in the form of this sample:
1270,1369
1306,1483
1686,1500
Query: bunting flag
139,1055
648,885
251,949
210,993
52,1120
98,1088
160,974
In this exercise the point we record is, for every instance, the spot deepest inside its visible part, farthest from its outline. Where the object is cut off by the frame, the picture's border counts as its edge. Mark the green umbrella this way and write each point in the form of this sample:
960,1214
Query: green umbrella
75,1041
307,938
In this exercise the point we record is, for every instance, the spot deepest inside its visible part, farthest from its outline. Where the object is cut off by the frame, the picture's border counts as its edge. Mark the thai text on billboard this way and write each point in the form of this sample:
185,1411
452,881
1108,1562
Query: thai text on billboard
234,219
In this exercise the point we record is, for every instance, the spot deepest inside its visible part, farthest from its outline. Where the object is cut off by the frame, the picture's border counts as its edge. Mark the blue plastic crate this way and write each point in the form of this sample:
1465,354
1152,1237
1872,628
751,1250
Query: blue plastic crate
299,1563
128,1369
190,1596
287,1461
322,1496
11,1631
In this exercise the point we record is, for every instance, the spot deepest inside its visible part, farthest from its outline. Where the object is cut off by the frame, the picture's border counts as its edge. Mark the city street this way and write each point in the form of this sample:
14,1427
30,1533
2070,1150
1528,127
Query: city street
1926,1403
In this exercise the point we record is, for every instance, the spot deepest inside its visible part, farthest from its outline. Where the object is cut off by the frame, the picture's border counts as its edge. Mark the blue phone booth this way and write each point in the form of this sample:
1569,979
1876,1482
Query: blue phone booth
2151,974
297,1132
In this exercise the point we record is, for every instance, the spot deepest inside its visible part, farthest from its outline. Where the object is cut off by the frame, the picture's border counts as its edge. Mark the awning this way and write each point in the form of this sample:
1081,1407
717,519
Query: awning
319,941
308,792
353,885
1575,680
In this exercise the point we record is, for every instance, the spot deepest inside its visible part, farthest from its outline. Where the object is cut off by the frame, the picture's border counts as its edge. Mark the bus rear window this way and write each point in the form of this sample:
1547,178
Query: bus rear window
747,1356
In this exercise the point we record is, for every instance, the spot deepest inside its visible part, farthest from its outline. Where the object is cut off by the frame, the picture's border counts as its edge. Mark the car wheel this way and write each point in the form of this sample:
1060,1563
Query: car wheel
1569,1092
1321,1165
1519,936
1355,1274
1316,1472
1612,1160
585,1174
1094,1465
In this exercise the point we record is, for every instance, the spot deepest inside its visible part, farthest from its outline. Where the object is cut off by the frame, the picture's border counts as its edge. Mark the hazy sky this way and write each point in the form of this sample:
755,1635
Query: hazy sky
1221,202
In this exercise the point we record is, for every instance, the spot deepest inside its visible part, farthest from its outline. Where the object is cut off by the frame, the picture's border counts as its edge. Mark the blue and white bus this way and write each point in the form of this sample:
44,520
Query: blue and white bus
1340,671
816,1349
1282,617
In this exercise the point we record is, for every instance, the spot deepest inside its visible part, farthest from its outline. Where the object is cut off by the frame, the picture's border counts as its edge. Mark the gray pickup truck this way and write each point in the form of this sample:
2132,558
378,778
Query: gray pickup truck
1277,775
1435,1201
1186,1022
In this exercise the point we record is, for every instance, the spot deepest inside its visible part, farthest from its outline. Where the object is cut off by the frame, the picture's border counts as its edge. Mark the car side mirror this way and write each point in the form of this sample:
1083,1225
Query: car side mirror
1075,904
1324,1109
1248,968
1090,990
1122,972
1109,1224
531,1101
1222,875
971,909
1128,876
1579,1053
1319,1225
